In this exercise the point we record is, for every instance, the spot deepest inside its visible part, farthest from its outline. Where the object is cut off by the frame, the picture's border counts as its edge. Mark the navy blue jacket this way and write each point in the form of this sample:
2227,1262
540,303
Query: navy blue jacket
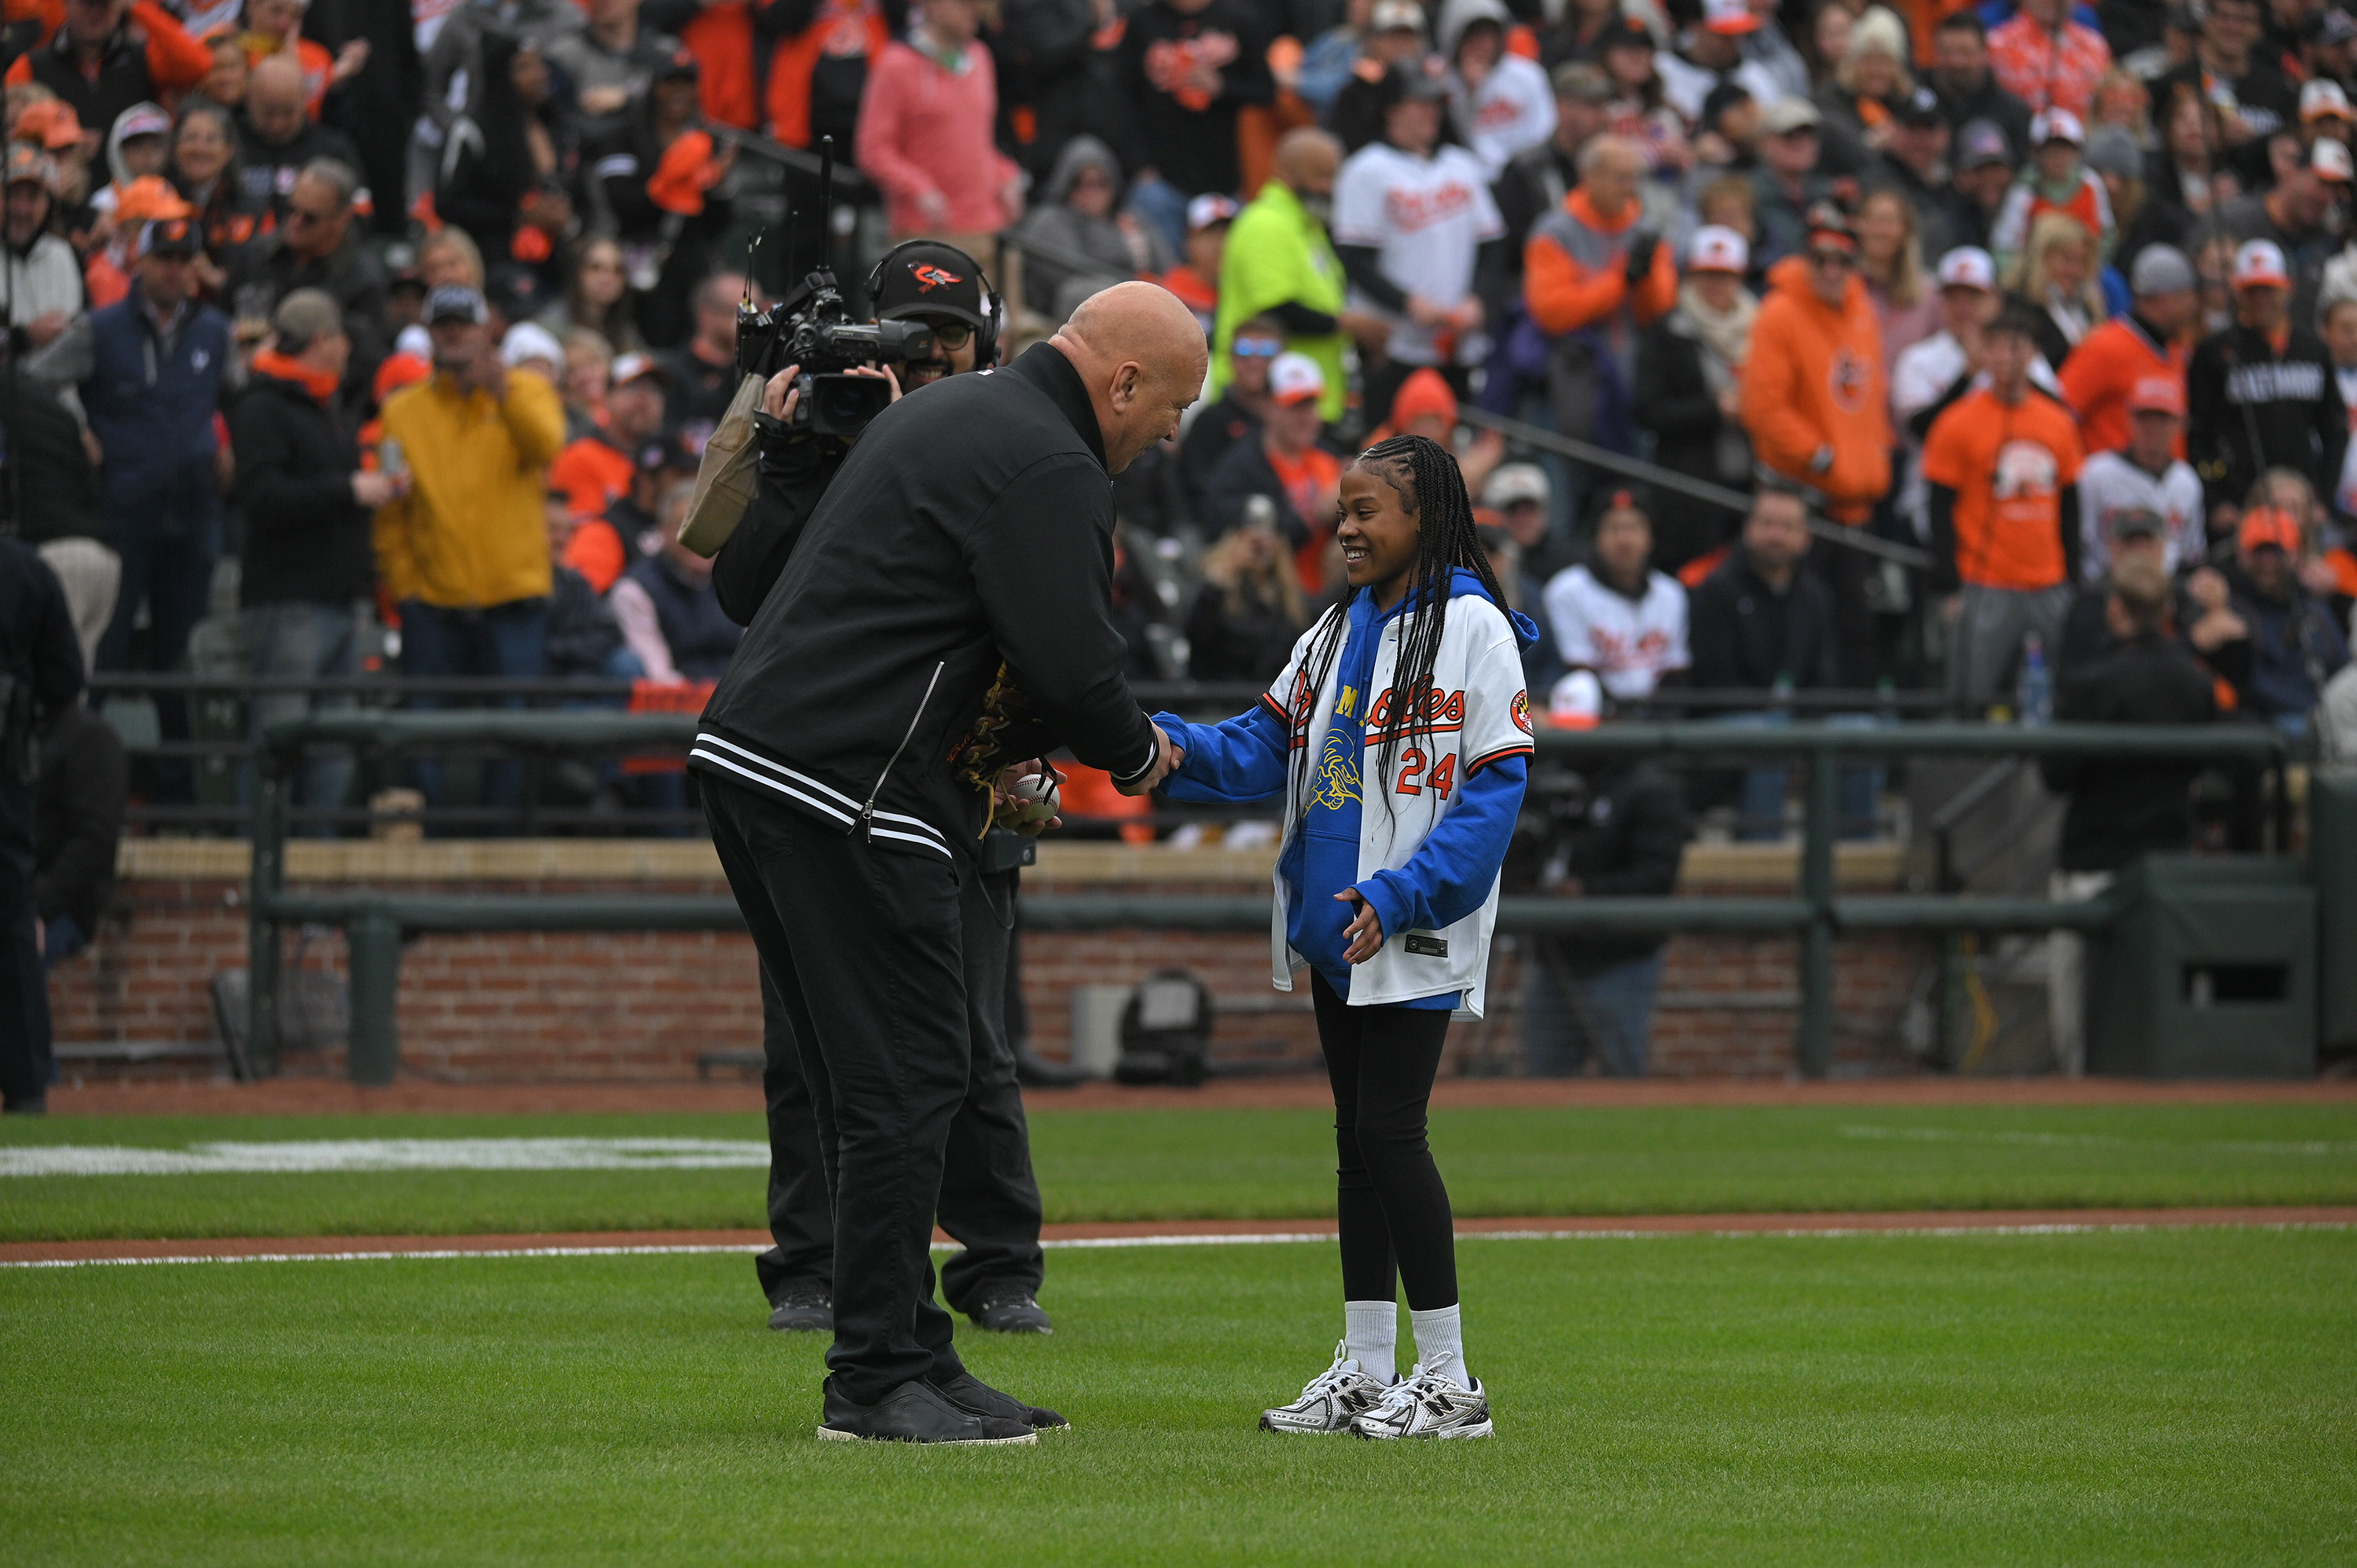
151,403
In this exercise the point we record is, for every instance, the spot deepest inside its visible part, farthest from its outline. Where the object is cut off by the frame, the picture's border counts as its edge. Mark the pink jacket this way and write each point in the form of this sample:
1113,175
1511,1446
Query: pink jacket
925,129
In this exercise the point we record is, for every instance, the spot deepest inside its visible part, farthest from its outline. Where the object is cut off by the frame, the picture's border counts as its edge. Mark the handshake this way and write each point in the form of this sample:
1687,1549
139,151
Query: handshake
1026,798
1168,755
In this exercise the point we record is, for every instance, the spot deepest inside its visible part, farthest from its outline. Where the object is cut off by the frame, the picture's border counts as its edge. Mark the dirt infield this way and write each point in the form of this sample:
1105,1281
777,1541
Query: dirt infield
1182,1232
330,1097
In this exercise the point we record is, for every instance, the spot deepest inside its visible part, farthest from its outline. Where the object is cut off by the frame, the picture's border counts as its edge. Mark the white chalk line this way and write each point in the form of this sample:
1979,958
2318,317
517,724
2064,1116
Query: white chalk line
1244,1239
2098,1140
313,1156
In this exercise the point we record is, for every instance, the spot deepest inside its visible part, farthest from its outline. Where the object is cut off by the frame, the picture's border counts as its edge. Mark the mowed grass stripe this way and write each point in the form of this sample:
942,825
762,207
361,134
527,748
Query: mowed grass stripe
1262,1165
2180,1396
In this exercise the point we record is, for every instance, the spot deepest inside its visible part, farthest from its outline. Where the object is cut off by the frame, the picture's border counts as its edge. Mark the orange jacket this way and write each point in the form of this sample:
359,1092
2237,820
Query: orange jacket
720,37
1815,380
2103,369
842,27
1565,295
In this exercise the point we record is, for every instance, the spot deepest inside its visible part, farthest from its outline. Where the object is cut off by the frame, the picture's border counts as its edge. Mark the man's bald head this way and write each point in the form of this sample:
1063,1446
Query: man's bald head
274,98
1140,352
1307,159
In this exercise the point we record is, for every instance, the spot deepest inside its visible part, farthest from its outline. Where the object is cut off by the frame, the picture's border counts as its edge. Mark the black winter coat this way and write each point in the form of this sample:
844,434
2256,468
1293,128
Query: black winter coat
2119,810
1745,636
1672,397
84,791
47,471
1622,835
307,539
794,474
971,528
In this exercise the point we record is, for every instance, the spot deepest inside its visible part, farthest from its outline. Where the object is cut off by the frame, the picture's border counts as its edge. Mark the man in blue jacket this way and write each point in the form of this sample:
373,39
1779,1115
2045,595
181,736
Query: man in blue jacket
150,369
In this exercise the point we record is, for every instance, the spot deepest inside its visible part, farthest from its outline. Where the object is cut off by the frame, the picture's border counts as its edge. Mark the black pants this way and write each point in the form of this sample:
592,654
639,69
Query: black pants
864,945
24,986
1390,1202
990,1200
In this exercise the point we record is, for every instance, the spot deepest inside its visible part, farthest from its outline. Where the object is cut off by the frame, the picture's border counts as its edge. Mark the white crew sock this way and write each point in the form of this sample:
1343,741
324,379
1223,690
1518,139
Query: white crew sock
1370,1337
1442,1332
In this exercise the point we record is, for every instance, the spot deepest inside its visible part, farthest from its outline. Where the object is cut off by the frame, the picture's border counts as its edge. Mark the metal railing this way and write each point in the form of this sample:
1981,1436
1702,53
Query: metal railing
227,749
375,922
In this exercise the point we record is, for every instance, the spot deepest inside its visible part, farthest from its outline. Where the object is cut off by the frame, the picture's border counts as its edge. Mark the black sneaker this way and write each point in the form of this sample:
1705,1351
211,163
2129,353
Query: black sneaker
803,1309
979,1397
917,1412
1011,1311
28,1104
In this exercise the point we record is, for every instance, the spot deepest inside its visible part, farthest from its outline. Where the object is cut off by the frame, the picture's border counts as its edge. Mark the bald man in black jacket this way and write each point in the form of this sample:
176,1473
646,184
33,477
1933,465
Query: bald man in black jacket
40,673
946,613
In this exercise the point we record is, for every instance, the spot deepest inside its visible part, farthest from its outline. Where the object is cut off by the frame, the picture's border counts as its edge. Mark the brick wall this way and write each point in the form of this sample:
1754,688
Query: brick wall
589,1006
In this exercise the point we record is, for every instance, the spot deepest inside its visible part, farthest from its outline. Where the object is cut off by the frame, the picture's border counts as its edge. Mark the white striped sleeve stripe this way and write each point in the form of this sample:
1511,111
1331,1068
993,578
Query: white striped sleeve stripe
764,779
707,737
932,843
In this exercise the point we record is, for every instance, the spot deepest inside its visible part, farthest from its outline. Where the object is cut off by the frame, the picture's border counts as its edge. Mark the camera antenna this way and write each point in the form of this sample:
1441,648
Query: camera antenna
827,204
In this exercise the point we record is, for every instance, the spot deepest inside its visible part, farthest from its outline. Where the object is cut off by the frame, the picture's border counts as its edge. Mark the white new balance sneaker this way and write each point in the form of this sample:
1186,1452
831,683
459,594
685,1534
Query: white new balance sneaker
1334,1395
1427,1403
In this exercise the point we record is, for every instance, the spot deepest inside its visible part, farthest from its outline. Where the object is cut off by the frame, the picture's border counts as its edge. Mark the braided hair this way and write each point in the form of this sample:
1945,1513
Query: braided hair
1432,490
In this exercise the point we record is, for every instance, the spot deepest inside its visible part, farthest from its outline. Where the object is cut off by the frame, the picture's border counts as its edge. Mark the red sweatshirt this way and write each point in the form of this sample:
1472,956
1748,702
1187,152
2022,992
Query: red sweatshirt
925,129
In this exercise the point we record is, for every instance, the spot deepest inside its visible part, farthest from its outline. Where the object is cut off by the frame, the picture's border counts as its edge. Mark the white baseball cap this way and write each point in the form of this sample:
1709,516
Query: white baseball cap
1732,17
2260,264
1968,266
1209,209
1577,701
530,340
1295,378
1515,482
2323,99
2057,126
2329,160
1717,249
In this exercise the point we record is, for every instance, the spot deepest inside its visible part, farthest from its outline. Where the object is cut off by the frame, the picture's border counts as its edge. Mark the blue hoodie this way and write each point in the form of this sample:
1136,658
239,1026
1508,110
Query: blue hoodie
1448,877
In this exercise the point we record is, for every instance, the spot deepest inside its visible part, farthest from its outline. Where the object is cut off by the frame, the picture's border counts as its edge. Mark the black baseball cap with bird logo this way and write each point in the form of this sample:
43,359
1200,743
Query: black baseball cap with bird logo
928,278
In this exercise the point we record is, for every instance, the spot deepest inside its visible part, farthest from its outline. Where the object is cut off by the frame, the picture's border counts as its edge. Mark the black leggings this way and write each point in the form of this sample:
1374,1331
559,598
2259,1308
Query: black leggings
1389,1199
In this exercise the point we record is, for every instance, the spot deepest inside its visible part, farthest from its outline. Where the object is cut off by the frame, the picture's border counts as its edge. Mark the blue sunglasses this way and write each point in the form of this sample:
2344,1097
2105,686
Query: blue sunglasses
1256,349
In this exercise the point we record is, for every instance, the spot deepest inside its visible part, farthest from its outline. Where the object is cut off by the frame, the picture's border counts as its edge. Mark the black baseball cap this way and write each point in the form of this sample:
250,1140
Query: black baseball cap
928,278
1919,108
171,237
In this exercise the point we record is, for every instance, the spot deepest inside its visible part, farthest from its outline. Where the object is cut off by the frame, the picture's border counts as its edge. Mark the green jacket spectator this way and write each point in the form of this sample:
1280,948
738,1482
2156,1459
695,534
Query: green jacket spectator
1279,263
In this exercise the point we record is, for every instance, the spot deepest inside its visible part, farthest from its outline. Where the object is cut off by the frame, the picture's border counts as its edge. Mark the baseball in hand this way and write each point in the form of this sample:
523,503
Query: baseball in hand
1034,796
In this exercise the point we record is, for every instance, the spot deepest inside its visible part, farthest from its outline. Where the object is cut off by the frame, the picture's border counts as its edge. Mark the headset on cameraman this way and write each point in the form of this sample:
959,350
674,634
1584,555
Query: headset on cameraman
993,309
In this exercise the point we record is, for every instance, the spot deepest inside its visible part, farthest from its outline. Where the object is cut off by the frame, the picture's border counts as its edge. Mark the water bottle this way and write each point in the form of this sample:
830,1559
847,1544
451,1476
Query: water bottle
2035,696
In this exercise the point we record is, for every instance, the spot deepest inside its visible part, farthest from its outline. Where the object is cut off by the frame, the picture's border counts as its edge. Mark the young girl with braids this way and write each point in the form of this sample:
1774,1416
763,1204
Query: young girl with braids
1399,735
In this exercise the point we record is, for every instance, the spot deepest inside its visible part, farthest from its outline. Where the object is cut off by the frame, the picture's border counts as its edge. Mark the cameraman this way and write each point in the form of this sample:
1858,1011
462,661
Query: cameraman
989,1200
924,281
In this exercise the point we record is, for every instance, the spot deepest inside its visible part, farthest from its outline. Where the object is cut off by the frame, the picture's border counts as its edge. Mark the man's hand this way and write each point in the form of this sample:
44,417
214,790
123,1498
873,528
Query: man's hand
490,372
603,100
933,207
1370,329
349,60
779,398
1427,312
1006,811
373,491
1466,314
1167,758
2205,587
43,328
1364,935
880,373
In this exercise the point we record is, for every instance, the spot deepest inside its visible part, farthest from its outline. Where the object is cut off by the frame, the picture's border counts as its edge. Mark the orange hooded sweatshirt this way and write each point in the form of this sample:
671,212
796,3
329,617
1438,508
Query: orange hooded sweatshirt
1815,380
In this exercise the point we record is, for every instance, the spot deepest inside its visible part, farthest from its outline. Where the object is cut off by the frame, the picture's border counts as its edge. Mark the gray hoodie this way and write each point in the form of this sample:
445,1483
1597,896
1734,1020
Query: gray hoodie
1054,284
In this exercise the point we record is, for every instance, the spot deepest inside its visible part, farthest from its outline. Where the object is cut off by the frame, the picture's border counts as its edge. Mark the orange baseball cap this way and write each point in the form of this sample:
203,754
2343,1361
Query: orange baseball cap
2157,394
2265,525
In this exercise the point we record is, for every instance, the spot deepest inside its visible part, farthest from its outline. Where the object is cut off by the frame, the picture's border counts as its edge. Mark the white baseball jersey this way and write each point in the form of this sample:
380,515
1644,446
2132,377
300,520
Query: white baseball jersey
1630,643
2110,485
1426,217
1514,110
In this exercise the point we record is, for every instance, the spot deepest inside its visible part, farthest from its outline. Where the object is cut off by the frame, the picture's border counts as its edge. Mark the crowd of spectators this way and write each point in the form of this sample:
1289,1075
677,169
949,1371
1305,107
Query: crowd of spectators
421,319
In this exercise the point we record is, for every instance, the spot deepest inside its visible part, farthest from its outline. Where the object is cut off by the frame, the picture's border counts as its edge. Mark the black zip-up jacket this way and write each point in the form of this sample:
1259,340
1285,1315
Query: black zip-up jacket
2119,810
972,524
2239,392
1745,635
307,539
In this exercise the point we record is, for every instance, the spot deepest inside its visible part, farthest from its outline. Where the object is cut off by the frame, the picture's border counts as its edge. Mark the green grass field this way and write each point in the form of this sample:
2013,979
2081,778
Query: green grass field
2182,1396
1268,1165
2160,1397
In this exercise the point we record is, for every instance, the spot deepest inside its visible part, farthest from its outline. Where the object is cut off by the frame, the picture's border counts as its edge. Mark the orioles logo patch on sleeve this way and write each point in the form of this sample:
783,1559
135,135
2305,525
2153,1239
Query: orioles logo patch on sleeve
1523,712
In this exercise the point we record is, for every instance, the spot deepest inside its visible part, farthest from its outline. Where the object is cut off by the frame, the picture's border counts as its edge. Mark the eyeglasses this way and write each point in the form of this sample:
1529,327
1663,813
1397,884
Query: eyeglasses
1833,258
949,334
1257,348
